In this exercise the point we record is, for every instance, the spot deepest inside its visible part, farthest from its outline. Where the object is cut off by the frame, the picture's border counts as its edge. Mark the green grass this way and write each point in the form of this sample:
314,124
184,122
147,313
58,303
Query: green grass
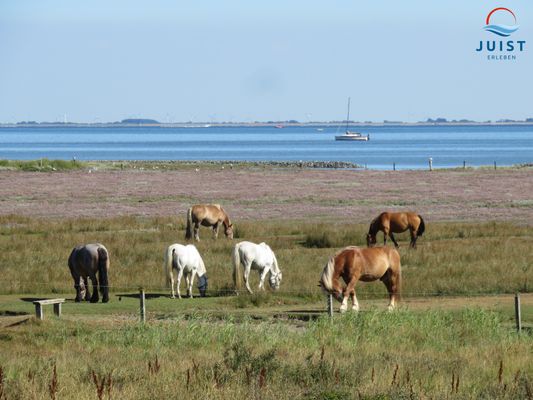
366,355
266,345
43,165
452,258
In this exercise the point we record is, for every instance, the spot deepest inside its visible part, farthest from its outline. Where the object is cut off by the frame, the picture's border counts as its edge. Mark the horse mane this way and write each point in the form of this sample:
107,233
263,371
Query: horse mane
372,229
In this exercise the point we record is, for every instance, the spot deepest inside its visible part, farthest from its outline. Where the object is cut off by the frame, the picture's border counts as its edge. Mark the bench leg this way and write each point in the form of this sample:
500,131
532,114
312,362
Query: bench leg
57,309
39,311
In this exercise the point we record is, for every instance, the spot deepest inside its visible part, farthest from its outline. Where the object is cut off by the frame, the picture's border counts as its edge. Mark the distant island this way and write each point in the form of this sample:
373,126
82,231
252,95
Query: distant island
148,122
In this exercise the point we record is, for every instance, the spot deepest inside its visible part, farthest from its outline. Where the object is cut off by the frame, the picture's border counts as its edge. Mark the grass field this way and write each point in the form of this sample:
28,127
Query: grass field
453,335
448,340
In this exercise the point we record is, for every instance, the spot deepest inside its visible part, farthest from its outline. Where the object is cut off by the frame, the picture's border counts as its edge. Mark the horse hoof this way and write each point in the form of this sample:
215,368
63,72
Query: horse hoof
105,300
342,310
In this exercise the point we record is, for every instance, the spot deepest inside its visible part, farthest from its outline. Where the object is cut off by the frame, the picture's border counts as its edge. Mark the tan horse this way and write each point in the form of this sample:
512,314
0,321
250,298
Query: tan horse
362,264
85,262
207,215
397,222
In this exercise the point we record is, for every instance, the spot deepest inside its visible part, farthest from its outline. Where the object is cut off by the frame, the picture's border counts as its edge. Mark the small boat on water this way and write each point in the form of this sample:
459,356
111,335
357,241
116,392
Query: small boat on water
352,136
320,129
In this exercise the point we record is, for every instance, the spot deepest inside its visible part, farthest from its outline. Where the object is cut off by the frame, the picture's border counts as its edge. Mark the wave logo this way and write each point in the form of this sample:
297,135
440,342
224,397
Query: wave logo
498,29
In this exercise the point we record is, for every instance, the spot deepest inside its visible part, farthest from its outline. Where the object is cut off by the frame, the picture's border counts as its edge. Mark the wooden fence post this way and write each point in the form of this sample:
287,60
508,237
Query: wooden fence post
394,166
330,305
494,165
464,164
142,304
517,312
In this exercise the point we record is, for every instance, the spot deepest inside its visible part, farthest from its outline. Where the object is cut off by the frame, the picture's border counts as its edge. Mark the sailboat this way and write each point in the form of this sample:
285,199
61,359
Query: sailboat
349,135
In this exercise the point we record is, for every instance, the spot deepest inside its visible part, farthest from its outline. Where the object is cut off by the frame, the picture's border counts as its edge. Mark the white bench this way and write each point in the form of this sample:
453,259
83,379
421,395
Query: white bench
40,303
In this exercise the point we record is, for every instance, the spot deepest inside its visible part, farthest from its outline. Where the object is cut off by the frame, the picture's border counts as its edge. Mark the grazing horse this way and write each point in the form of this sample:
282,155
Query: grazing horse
259,257
185,260
85,262
397,222
362,264
207,215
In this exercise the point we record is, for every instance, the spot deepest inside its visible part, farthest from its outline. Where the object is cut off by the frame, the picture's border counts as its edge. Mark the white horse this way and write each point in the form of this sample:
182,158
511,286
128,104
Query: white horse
185,260
259,257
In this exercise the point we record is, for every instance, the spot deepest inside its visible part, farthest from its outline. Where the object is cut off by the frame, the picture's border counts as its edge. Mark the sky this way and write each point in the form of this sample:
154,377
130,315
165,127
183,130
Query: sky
230,60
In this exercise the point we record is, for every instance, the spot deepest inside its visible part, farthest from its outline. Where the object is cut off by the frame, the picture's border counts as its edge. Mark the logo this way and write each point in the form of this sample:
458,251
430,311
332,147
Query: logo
501,50
501,30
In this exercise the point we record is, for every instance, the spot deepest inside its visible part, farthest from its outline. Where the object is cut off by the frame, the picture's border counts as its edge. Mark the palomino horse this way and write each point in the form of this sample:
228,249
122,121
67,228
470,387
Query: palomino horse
207,215
185,260
85,262
397,222
362,264
259,257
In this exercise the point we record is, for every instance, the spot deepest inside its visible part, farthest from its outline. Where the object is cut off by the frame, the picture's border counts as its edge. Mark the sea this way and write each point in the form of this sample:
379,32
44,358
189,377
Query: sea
400,147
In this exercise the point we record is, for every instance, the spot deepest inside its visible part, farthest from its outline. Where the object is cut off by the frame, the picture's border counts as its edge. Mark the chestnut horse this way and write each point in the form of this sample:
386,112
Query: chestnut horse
207,215
396,222
362,264
85,262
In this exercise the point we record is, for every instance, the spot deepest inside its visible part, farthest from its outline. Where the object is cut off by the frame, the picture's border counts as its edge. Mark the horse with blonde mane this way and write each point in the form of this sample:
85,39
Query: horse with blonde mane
395,222
259,257
185,260
211,215
84,262
362,264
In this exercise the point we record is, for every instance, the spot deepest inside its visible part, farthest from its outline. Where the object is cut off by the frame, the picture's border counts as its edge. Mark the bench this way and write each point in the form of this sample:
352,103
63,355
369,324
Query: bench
40,303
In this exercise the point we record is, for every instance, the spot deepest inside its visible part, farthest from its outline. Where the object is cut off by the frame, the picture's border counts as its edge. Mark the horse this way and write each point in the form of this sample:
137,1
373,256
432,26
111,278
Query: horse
362,264
259,257
185,260
84,262
207,215
397,222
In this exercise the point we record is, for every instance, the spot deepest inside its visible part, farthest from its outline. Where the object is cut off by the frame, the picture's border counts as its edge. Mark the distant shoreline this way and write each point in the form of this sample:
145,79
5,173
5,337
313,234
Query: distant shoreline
204,125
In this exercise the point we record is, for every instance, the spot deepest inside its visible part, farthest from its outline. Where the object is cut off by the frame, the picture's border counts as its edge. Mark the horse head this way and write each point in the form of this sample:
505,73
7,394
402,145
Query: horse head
229,231
275,280
202,285
370,240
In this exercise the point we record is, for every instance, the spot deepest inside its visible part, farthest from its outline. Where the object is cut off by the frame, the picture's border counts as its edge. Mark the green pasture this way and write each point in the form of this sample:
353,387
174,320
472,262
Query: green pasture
453,335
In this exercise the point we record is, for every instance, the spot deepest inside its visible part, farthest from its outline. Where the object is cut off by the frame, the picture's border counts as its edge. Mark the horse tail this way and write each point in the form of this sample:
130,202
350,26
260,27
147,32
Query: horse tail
421,227
169,255
188,230
103,267
237,273
326,279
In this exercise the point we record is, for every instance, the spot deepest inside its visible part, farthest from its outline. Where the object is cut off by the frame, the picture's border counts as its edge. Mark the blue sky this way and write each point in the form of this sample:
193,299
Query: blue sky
220,60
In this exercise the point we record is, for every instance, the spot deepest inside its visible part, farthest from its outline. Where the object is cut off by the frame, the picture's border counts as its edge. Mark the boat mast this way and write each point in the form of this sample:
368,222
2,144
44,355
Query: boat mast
348,115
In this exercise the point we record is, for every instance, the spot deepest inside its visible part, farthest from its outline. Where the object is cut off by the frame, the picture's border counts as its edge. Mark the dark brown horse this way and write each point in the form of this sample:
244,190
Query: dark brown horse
85,262
397,222
354,264
207,215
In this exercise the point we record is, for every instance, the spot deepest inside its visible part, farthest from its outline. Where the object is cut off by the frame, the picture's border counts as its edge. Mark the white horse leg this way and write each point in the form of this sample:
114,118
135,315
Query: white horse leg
344,304
355,303
247,268
173,296
262,278
180,274
191,284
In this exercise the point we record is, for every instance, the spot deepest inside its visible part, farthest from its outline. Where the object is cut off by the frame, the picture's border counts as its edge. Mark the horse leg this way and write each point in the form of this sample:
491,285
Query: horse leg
390,279
262,278
85,288
355,303
413,238
188,283
172,296
394,240
247,268
78,286
180,274
215,230
347,293
196,229
191,284
95,297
